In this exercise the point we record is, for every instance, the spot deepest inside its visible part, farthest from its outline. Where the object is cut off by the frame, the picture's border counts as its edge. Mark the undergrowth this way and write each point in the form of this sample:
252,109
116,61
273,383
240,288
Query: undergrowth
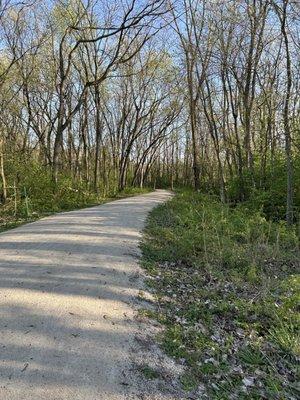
227,285
39,197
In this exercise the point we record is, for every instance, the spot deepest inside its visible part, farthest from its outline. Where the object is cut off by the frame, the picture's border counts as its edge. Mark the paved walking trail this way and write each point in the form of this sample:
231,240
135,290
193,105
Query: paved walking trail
67,291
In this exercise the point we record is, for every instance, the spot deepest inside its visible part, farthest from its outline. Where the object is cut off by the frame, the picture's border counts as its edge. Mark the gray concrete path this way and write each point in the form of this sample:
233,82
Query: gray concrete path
67,288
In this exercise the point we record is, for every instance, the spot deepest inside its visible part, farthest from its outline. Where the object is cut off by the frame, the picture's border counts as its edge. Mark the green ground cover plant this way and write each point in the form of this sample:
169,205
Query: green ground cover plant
227,284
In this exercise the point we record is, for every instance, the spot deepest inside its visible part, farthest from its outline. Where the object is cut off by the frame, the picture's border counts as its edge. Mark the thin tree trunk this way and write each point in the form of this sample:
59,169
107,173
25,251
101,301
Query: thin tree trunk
3,177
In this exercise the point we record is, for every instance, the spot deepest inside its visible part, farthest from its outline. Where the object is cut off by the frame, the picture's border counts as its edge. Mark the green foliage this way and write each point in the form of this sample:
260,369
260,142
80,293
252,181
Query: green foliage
32,193
267,192
199,229
228,285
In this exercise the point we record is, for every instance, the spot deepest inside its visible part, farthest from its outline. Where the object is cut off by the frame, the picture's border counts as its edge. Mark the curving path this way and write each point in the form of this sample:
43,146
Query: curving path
67,289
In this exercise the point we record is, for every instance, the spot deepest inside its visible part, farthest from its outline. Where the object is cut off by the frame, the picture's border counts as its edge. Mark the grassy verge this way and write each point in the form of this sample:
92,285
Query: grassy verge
8,219
227,286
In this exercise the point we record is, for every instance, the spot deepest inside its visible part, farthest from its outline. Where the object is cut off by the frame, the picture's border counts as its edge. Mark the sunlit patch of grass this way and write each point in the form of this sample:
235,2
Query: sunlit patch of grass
287,337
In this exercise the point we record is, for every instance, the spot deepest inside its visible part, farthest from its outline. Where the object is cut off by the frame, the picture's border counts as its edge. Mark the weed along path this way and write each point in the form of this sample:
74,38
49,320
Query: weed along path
68,289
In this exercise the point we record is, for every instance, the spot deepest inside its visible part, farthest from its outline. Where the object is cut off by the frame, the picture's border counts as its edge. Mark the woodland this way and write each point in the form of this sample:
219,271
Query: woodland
100,96
107,98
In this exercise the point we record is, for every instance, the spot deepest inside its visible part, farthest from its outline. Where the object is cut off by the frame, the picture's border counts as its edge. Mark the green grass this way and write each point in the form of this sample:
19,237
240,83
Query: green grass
227,283
149,372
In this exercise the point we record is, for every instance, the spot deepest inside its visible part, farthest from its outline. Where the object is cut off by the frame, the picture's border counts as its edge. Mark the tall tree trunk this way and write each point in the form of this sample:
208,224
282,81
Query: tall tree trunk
196,166
282,14
288,149
58,142
98,134
3,177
